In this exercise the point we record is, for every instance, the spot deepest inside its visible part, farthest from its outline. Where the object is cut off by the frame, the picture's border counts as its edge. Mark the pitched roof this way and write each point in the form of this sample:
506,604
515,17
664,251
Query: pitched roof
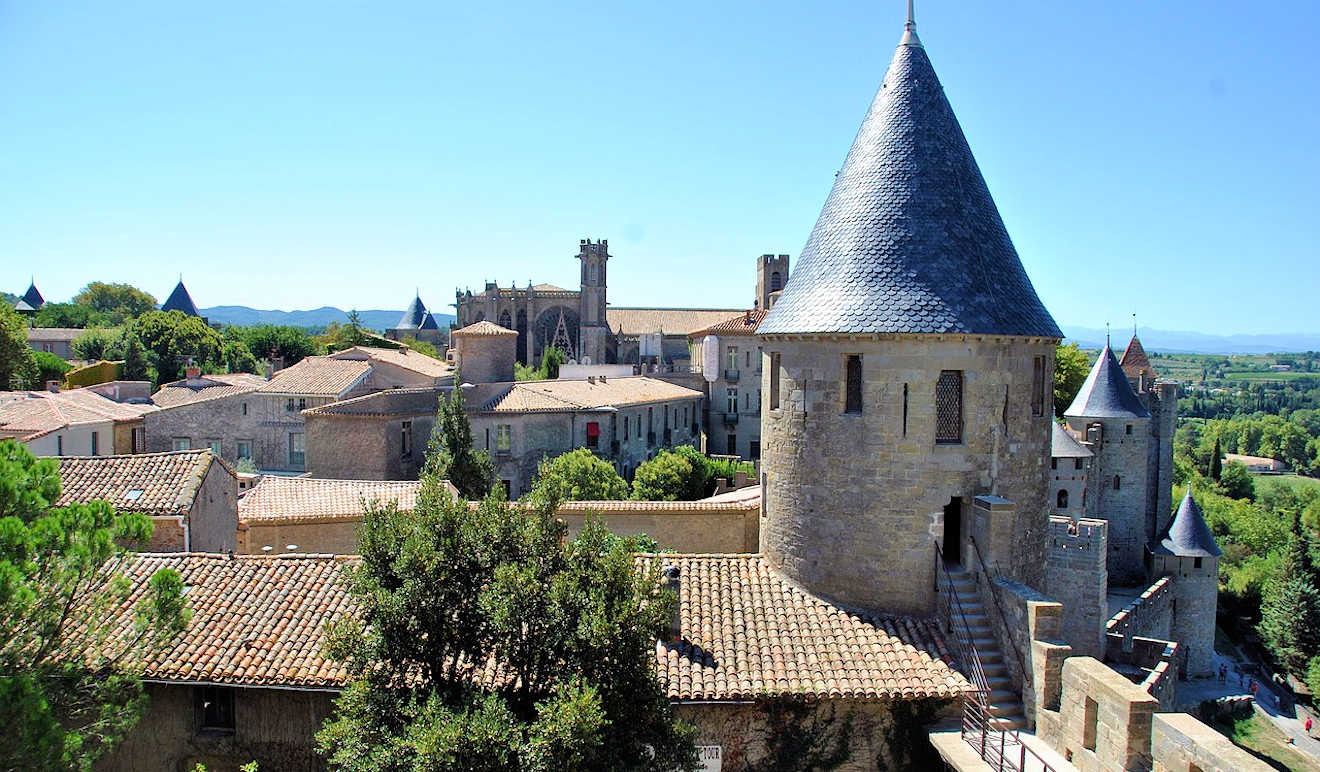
483,328
318,376
191,390
400,402
1188,535
413,315
429,323
27,415
180,300
1134,360
909,240
670,321
401,357
304,499
1064,445
151,483
49,334
31,300
742,324
560,396
551,288
261,621
100,404
1106,392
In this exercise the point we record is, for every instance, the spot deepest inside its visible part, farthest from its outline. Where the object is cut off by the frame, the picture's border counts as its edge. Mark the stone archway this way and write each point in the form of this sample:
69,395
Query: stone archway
556,323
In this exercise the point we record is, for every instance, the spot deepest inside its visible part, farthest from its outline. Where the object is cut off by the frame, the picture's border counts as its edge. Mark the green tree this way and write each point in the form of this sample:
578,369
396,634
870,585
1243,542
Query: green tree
118,302
1070,370
69,690
135,358
551,360
1235,481
1217,462
445,593
49,368
95,344
68,315
1290,614
581,475
18,366
449,452
269,341
667,477
172,337
238,359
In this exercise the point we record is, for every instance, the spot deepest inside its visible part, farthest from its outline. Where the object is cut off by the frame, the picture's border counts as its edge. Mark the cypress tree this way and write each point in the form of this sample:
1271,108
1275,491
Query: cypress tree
1290,614
449,453
1216,462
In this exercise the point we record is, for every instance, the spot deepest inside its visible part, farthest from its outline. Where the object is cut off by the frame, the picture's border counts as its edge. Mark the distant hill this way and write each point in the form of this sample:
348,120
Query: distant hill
1197,343
318,317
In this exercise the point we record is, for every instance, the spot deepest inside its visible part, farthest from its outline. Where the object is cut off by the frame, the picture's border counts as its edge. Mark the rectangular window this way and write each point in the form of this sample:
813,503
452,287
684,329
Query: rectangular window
731,400
214,445
1054,463
503,438
650,421
138,439
288,405
49,348
754,449
747,400
297,449
182,443
59,444
96,443
853,385
302,404
627,432
245,449
949,408
732,447
774,380
244,408
405,439
593,434
747,359
732,357
1077,463
1038,386
1091,721
214,709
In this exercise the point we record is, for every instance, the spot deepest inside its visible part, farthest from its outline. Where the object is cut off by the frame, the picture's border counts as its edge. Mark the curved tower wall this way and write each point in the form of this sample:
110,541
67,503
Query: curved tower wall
854,502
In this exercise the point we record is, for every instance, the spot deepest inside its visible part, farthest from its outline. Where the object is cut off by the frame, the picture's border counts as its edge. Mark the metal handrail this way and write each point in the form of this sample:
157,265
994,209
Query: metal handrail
1022,664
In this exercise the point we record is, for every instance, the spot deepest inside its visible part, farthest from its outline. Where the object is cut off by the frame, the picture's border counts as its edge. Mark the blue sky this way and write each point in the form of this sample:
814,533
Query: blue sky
1158,157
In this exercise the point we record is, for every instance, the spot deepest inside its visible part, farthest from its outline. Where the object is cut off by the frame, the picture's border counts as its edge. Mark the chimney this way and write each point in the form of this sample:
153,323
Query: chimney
268,370
675,622
192,372
747,317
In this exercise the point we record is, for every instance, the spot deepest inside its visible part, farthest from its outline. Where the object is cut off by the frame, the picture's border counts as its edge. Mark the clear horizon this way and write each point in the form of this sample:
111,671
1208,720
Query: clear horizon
300,156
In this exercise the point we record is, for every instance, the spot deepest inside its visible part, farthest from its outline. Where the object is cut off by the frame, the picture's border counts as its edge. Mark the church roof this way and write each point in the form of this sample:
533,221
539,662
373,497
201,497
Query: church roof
1134,360
483,328
180,300
909,240
31,300
1188,535
414,316
1106,393
1064,445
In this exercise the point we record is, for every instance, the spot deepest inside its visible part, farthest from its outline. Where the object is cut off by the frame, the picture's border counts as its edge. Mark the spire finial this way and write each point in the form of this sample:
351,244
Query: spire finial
1134,324
910,30
1106,334
911,22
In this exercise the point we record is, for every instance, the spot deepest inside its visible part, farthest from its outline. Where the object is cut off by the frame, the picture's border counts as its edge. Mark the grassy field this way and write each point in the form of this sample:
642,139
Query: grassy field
1265,741
1265,482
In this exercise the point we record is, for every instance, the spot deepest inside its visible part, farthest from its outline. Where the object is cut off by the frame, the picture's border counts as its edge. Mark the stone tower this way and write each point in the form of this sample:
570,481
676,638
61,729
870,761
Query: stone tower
906,368
1186,550
593,328
484,352
1110,418
771,275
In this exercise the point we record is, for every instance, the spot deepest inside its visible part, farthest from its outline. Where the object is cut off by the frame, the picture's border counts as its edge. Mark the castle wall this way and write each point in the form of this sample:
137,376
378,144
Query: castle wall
486,358
1162,403
1193,607
855,500
1075,575
1122,453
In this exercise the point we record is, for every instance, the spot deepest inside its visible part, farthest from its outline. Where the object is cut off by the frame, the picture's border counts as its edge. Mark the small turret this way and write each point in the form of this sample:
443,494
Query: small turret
180,300
1188,552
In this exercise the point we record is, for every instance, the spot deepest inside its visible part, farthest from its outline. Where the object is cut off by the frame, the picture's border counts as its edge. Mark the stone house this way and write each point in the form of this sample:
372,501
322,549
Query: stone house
76,422
190,496
1070,461
55,340
379,436
217,412
732,370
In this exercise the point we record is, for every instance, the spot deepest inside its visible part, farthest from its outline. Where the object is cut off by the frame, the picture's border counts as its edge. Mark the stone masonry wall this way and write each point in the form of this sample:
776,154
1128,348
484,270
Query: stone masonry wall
213,520
1075,575
1180,743
1120,455
1104,719
1148,615
854,500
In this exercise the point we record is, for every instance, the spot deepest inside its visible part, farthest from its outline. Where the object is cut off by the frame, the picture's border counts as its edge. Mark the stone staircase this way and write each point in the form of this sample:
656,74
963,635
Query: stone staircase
1005,702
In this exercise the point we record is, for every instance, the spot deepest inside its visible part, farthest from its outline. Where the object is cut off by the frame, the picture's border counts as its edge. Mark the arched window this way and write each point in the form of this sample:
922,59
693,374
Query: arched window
1083,498
1117,482
1062,499
593,273
776,281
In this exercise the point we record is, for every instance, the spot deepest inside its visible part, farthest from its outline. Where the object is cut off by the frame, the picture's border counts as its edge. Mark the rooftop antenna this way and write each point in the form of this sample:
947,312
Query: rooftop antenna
910,30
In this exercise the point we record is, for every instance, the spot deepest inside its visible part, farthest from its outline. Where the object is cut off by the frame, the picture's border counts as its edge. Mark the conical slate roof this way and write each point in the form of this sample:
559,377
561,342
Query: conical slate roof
180,300
31,300
1064,445
429,323
1188,535
1134,360
909,240
413,317
1106,393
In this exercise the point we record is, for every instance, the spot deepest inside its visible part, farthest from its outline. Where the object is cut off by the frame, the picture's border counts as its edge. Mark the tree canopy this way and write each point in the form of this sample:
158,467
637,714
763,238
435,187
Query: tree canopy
118,302
172,337
449,452
683,474
17,364
269,341
488,640
1070,370
68,690
581,475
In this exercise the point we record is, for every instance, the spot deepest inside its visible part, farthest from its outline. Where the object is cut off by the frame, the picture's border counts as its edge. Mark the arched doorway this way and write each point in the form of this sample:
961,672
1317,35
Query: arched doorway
952,543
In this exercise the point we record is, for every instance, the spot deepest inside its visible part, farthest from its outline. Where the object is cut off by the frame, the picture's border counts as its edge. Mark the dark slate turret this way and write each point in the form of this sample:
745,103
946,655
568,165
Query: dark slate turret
909,240
31,300
1188,535
429,323
414,316
1106,393
180,300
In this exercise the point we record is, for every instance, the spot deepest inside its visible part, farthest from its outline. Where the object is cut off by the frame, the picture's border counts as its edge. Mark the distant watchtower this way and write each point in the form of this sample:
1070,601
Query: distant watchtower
591,303
771,276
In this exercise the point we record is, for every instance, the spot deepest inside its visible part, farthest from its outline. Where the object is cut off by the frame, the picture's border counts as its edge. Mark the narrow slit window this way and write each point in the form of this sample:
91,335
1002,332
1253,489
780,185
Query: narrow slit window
774,380
1038,386
905,408
853,379
949,408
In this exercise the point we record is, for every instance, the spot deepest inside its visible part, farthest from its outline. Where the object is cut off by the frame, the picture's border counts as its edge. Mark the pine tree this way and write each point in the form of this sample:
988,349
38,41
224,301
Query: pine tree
1216,462
450,455
135,359
1290,614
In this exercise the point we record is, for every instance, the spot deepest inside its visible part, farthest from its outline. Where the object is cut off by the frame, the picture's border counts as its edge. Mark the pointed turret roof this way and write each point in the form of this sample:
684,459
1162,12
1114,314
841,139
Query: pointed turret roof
31,300
180,300
909,240
1134,360
1106,393
414,316
1064,445
1188,535
429,323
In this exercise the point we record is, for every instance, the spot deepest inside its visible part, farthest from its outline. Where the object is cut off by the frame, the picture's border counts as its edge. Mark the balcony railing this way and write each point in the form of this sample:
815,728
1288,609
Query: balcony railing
730,419
731,375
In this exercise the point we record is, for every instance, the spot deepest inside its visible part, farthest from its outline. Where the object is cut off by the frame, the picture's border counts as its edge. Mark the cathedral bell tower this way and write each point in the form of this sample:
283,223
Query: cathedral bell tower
591,303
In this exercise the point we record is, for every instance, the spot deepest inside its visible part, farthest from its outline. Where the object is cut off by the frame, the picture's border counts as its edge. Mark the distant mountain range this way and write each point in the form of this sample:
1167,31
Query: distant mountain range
1171,341
317,317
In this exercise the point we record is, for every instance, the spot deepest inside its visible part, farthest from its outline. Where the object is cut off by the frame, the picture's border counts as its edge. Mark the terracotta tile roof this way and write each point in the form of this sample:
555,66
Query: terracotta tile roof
483,328
670,321
28,415
405,358
304,499
570,396
190,391
551,288
151,483
1135,360
742,324
746,632
318,376
401,402
89,400
48,334
260,621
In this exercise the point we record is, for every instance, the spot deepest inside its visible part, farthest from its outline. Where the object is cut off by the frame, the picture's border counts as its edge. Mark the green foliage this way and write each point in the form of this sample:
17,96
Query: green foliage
805,736
1070,370
17,364
49,368
422,347
1236,483
445,590
69,315
338,337
270,341
1217,462
683,474
172,337
449,452
68,690
547,370
1290,622
581,475
117,303
135,358
95,344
